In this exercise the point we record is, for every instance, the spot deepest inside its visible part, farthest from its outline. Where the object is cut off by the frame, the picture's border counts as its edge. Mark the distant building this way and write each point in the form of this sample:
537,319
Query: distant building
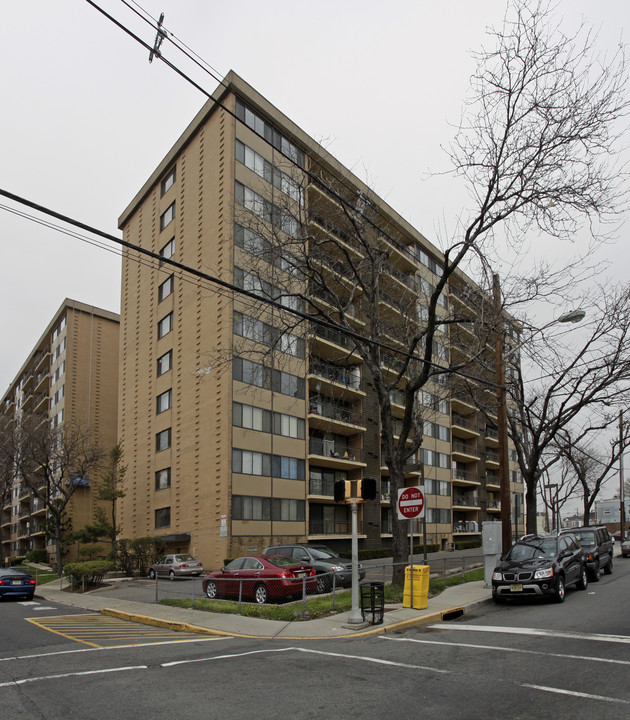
70,375
608,511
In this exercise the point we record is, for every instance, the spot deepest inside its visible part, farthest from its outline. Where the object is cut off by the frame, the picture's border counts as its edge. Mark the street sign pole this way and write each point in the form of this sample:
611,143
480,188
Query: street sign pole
411,506
355,617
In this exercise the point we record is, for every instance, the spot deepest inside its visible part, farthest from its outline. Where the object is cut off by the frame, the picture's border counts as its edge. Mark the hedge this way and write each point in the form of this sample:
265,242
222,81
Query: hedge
91,572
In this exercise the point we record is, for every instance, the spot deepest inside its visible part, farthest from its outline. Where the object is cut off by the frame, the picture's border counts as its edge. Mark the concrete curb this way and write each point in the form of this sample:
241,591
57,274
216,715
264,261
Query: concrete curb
437,616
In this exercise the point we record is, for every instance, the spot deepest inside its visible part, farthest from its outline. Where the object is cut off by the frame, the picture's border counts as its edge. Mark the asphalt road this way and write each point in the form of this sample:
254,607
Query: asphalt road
523,660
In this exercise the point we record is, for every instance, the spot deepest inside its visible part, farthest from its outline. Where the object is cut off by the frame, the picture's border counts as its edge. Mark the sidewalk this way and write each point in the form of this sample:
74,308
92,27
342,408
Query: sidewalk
454,601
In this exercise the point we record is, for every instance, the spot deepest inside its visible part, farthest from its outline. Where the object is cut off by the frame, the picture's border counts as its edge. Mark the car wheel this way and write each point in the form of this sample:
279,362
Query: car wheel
152,574
583,581
171,575
211,590
323,584
595,575
261,594
609,568
560,590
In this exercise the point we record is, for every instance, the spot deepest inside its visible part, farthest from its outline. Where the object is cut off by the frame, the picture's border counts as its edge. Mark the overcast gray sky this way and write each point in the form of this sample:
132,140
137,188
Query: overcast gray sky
85,118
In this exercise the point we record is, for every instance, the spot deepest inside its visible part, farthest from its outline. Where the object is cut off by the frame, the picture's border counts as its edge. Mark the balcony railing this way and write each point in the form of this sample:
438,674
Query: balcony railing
468,475
333,336
334,411
330,448
463,526
464,448
492,455
466,500
348,376
321,487
464,422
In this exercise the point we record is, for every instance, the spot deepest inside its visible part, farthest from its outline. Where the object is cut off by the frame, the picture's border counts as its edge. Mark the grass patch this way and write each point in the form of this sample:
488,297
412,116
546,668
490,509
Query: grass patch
43,576
315,606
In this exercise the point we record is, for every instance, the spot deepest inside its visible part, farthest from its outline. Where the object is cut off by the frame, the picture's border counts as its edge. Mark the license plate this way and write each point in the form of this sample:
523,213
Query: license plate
516,588
300,574
16,582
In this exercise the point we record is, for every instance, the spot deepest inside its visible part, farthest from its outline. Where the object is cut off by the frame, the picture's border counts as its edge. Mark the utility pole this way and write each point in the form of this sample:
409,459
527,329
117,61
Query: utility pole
504,473
622,502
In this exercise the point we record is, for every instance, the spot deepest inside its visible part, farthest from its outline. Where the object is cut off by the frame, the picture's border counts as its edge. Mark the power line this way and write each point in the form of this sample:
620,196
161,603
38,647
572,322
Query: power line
224,285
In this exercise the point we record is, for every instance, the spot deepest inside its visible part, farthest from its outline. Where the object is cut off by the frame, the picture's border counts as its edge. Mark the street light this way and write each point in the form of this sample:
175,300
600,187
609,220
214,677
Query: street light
573,316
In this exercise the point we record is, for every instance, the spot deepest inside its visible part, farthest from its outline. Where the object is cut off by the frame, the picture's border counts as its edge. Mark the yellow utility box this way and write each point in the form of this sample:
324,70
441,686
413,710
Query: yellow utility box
420,585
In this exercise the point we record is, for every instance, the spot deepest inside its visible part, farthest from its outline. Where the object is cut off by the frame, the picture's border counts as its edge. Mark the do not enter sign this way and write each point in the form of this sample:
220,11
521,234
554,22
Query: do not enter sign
410,503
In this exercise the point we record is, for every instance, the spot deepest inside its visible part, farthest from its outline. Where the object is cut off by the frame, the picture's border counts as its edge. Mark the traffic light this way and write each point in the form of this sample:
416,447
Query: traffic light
366,489
342,490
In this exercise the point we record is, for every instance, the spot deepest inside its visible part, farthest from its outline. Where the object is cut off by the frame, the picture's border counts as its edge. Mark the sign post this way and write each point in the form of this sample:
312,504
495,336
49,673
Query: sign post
411,506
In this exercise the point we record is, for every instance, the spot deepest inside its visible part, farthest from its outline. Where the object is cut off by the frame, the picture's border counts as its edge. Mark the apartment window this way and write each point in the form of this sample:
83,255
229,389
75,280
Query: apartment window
438,516
165,325
437,487
245,507
163,517
255,374
164,401
167,217
163,440
249,462
251,418
264,169
163,479
57,331
165,289
252,328
169,249
168,181
165,363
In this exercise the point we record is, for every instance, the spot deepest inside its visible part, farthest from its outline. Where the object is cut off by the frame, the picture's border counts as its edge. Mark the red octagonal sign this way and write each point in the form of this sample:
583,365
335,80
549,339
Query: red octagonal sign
410,503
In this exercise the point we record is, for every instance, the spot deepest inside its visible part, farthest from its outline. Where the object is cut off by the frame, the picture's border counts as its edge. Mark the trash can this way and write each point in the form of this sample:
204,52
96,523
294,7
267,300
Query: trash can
372,602
420,584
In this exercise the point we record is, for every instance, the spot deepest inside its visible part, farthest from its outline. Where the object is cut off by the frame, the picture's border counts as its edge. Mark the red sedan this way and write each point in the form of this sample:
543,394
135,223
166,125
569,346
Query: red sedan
261,577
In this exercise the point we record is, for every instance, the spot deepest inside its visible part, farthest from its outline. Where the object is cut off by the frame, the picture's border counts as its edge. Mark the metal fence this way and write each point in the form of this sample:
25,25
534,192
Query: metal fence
248,591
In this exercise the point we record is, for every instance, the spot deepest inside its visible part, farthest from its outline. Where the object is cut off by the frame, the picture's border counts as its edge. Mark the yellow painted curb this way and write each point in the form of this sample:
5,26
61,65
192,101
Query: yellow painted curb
376,630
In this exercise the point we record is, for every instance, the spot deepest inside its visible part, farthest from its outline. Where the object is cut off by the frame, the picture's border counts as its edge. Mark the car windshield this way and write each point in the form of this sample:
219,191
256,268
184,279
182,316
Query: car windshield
586,540
279,560
531,550
322,553
183,558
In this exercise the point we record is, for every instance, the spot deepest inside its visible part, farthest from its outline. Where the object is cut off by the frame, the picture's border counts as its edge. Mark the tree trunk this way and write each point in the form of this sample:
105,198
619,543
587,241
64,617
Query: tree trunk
531,484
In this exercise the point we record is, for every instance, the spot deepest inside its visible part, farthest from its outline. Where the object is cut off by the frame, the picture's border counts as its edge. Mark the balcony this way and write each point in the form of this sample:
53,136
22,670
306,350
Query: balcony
492,458
492,479
341,376
464,427
465,477
400,255
464,451
462,403
331,453
466,500
322,488
333,345
491,435
466,527
324,415
493,506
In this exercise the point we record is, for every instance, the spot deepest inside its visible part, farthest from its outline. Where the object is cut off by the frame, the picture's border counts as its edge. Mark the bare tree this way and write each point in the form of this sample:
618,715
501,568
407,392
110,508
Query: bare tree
53,464
590,467
567,404
536,146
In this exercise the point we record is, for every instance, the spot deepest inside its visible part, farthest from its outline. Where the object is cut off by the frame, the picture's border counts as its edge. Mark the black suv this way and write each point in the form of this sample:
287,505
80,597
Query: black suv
598,549
323,559
540,566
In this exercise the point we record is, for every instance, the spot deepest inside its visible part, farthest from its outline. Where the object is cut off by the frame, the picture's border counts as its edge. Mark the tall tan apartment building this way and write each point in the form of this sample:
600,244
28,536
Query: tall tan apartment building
235,415
70,376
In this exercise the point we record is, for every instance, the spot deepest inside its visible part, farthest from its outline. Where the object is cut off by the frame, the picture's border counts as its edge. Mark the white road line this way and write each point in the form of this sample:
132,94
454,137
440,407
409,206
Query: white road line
564,656
573,693
13,683
625,639
113,647
377,661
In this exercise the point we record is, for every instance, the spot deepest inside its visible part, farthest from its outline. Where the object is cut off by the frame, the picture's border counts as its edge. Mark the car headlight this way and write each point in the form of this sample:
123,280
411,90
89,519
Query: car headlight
546,573
336,568
497,575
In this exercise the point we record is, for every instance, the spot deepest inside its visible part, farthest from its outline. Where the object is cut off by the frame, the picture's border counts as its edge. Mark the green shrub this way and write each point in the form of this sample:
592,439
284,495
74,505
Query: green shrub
87,573
136,556
91,551
37,556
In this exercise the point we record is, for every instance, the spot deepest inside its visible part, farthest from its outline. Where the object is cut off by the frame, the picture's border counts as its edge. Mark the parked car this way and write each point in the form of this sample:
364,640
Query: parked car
324,560
176,565
598,549
262,578
540,566
16,582
625,548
